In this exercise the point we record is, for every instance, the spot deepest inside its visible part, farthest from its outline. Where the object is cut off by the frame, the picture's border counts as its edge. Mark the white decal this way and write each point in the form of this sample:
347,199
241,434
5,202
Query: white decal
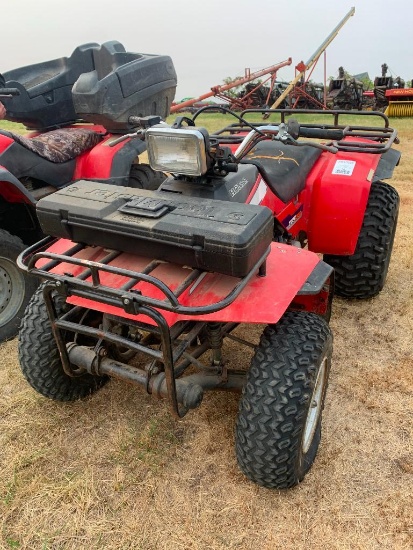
259,193
237,187
294,219
344,167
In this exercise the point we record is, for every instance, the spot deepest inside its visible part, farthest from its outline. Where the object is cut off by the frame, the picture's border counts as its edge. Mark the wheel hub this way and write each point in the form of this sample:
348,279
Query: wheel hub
316,404
11,290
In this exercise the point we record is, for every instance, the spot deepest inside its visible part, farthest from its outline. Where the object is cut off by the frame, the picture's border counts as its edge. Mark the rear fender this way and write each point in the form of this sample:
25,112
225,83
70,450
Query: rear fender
12,190
337,201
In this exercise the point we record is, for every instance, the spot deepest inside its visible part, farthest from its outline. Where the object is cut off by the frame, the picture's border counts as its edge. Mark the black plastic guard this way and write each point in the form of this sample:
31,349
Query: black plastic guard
387,163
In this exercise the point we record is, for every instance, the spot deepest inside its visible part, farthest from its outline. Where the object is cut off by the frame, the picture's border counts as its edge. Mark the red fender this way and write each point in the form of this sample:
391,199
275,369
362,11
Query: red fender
5,142
12,190
263,300
339,188
103,161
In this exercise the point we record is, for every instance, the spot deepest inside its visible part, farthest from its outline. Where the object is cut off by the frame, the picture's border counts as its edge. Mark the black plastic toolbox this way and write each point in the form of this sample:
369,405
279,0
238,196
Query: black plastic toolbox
219,236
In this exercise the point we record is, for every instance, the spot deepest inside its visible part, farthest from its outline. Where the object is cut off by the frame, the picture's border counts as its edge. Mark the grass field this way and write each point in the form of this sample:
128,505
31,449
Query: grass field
117,472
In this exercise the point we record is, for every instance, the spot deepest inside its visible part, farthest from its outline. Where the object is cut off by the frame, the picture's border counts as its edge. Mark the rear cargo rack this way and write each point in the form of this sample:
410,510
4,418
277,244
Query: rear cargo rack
130,300
384,136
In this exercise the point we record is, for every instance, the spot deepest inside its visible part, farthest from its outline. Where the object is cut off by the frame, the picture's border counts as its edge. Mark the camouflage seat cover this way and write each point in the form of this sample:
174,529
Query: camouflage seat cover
60,145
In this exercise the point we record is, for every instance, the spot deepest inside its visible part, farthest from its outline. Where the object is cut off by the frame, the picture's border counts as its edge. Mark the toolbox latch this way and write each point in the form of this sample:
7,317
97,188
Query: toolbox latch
145,207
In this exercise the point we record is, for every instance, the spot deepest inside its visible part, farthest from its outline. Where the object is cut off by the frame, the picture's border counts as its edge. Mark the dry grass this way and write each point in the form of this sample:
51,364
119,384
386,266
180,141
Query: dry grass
116,472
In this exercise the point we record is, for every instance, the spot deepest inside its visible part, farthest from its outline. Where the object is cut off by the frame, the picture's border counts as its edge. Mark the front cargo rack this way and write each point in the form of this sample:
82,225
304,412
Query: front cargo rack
131,300
183,393
381,138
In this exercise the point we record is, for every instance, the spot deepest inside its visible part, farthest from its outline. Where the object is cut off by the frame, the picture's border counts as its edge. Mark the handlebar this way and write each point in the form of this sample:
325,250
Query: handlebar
9,92
285,133
318,133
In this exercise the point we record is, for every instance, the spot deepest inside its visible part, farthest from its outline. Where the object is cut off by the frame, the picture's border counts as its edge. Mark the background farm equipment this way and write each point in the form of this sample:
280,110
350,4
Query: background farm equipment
305,95
258,91
297,86
391,96
345,92
256,95
400,102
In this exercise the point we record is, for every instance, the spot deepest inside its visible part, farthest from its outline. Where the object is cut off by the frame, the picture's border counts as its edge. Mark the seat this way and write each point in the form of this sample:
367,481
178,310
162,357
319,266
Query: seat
283,167
59,145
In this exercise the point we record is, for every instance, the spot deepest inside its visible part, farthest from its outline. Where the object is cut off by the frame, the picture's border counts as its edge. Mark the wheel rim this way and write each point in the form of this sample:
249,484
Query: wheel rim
11,290
316,406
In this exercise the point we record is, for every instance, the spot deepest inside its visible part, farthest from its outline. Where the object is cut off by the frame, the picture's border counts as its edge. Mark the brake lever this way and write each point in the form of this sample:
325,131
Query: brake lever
286,138
133,135
329,148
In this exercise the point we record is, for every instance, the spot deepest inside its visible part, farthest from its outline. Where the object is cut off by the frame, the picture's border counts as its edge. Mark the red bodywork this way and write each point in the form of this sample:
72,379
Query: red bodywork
96,163
334,204
263,300
331,208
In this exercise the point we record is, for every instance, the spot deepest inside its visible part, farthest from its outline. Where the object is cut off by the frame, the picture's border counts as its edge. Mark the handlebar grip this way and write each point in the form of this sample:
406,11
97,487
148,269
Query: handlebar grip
134,120
320,133
9,91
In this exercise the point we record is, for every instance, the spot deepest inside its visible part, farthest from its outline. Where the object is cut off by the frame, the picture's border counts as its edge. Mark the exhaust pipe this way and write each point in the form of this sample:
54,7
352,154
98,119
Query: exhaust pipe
189,389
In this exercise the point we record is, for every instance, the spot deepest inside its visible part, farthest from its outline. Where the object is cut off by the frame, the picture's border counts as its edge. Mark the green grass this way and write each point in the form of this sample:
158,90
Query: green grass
215,121
12,127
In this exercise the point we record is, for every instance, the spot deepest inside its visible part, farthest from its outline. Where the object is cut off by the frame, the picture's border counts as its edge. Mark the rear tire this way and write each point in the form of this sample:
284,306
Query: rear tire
39,356
278,429
143,177
362,275
16,287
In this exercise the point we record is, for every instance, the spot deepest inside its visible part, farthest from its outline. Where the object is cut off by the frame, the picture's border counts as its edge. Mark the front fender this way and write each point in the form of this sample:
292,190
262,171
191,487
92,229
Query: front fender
12,190
337,201
263,301
110,164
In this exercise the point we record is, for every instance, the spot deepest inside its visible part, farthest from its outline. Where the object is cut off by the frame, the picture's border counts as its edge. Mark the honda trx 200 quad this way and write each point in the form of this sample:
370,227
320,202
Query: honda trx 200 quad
104,86
147,286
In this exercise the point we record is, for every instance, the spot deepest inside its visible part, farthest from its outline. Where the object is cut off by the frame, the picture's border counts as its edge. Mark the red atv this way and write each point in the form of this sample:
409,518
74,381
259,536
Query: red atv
139,284
96,84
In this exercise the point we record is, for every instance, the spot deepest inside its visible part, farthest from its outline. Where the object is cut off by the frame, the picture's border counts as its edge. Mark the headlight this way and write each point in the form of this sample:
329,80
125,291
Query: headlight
181,150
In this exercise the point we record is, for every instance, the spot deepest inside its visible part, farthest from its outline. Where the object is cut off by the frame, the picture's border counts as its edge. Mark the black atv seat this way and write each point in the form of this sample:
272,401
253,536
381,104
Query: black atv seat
283,167
59,145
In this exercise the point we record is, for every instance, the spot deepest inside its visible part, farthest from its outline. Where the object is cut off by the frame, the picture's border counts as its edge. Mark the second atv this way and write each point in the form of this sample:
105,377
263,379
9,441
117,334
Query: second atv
75,108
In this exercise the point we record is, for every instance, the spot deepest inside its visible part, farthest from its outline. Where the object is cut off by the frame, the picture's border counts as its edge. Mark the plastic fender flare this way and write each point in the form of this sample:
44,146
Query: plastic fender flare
12,190
316,294
338,203
388,162
110,164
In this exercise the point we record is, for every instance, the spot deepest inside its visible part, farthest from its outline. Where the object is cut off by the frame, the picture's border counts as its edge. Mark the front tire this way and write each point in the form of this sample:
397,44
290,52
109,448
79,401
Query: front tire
39,356
16,287
143,177
278,428
362,275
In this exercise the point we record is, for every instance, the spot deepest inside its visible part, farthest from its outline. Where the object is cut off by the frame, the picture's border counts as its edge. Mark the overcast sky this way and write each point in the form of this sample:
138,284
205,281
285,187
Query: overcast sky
209,40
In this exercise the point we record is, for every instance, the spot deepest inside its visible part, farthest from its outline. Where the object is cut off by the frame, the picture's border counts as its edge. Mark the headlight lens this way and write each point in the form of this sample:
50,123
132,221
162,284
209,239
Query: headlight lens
182,151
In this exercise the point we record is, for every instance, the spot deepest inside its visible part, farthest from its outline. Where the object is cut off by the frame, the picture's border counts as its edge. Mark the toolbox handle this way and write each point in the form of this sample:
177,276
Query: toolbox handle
145,207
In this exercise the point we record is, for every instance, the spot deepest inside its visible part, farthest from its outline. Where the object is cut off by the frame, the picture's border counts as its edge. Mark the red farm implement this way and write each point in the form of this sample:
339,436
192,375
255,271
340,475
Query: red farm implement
248,99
